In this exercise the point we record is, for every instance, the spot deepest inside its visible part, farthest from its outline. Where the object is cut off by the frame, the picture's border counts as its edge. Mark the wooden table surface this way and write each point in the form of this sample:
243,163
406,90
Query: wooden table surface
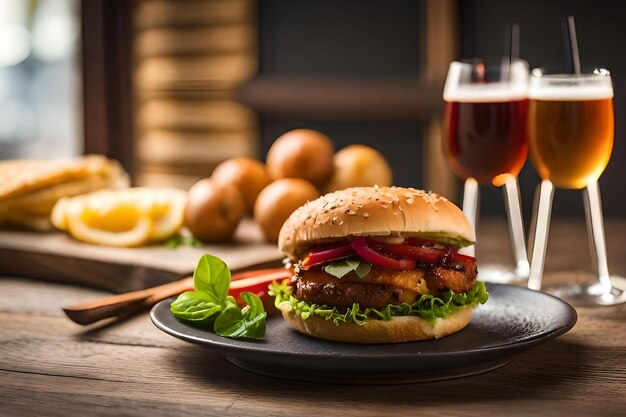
53,367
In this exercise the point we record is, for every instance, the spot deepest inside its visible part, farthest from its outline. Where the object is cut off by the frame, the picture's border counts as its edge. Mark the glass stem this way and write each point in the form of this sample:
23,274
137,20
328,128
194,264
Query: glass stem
541,223
516,226
595,229
470,208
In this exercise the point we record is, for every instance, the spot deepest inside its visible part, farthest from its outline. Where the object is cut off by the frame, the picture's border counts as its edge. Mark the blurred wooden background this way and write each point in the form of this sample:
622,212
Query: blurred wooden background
189,59
174,87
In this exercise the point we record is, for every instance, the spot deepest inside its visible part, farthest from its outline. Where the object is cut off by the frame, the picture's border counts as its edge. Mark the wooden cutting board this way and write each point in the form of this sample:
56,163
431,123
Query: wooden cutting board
58,257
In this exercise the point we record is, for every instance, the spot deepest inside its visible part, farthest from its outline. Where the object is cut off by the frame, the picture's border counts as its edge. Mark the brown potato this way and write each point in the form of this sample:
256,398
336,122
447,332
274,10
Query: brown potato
213,210
359,166
301,153
247,175
278,200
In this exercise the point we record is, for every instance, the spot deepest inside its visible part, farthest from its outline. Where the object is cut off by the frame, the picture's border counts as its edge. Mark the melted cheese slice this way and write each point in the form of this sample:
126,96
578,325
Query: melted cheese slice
412,280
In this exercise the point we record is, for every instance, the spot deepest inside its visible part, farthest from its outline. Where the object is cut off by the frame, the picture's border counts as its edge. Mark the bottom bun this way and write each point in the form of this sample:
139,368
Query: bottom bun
398,329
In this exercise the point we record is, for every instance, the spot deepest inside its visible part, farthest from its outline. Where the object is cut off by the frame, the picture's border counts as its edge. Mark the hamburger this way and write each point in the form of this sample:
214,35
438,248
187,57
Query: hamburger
378,265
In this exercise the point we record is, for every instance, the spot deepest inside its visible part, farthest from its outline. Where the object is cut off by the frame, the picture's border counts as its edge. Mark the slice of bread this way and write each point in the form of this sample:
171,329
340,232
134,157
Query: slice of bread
29,188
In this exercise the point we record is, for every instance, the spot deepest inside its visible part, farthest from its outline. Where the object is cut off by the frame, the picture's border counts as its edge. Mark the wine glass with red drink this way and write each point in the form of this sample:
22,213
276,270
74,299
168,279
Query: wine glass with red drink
485,143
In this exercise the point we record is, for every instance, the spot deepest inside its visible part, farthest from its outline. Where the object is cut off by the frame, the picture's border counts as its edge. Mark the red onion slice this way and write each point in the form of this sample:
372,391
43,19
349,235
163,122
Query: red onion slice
321,257
372,256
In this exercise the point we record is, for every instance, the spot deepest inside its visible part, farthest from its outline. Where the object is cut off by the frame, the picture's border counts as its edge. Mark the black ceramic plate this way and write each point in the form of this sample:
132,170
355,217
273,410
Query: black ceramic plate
513,320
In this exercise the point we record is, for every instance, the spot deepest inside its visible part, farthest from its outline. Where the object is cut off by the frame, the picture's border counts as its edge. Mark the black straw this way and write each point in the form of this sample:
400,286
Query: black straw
512,44
571,44
511,48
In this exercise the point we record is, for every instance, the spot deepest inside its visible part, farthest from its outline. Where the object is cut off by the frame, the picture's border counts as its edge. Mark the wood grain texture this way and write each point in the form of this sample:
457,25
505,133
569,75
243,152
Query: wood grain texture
57,257
191,41
131,368
332,98
162,13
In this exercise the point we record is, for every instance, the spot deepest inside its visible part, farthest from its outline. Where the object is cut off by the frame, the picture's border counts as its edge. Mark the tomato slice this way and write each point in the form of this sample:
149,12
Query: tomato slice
428,254
418,253
459,257
257,284
374,257
386,255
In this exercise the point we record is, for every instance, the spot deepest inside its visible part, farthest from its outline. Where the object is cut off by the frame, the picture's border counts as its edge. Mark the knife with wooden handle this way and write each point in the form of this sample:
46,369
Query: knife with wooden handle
124,305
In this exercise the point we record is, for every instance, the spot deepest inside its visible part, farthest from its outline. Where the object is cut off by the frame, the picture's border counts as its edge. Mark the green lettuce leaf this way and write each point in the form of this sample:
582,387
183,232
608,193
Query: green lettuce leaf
429,307
280,290
446,239
344,266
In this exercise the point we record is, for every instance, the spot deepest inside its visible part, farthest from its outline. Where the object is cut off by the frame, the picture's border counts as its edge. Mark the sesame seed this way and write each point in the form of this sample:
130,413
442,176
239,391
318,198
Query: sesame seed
366,215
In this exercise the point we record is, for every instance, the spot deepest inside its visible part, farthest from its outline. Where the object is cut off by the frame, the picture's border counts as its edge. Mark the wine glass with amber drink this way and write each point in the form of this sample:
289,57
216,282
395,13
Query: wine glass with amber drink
570,130
485,143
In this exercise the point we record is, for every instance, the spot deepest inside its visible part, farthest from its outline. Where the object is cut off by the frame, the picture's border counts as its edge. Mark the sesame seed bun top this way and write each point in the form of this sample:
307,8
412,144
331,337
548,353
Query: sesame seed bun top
374,211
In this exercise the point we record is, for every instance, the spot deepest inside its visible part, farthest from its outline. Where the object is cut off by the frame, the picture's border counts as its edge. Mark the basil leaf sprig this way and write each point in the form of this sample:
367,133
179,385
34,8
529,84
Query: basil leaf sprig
212,276
245,323
210,305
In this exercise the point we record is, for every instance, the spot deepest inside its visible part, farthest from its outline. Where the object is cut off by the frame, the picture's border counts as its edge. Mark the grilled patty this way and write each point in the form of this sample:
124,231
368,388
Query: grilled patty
382,286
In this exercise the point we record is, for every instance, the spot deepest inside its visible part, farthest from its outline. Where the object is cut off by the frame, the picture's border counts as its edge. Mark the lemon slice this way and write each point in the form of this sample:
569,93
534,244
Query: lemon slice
95,227
167,213
127,217
58,213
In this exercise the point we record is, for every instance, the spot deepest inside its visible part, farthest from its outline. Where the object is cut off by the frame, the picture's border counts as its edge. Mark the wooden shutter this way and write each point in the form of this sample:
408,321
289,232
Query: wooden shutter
189,57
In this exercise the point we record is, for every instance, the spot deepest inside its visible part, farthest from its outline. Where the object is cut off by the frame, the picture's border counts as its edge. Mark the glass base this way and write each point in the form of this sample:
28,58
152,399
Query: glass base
592,295
501,274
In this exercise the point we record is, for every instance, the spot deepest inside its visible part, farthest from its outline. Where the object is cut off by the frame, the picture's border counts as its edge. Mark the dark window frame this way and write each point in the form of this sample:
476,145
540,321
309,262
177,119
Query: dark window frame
106,33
